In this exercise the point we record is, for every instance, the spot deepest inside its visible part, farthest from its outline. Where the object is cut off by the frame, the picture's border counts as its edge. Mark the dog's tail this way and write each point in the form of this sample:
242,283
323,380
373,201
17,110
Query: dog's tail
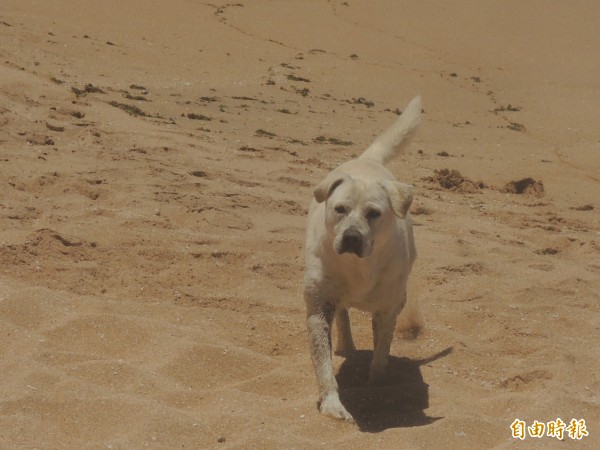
387,144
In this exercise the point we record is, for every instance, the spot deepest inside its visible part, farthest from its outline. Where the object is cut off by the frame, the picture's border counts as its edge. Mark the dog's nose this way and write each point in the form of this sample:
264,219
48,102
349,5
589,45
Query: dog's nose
352,242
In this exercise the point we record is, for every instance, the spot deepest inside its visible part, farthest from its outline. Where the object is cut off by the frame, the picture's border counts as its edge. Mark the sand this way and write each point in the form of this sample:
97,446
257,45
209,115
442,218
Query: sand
156,163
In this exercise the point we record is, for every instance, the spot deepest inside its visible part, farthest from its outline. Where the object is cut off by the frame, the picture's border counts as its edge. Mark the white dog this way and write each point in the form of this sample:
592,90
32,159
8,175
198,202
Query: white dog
359,253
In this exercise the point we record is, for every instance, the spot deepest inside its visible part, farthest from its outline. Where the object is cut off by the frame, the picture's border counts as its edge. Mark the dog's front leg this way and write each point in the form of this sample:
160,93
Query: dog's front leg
319,321
383,333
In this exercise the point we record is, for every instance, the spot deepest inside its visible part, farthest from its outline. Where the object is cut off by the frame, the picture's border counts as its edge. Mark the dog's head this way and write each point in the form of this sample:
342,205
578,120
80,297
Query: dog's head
357,212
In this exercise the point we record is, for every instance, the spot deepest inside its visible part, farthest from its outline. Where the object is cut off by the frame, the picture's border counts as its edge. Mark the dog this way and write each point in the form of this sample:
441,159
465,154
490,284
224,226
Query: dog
359,252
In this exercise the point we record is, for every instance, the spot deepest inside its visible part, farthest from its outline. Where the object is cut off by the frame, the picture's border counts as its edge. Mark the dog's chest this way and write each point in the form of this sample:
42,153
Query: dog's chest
370,288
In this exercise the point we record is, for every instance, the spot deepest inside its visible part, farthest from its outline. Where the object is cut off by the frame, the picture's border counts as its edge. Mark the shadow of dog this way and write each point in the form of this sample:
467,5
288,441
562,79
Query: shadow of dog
400,401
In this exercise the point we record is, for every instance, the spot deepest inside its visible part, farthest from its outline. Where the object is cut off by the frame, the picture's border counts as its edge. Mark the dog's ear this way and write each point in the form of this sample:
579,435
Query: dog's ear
400,195
328,185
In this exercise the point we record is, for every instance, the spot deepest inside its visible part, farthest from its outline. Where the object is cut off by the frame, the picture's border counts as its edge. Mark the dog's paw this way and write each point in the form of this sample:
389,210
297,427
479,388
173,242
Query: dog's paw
344,349
332,406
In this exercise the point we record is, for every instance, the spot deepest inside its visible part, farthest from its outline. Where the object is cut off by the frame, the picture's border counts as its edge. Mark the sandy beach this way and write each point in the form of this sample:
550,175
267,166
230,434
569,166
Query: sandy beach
156,164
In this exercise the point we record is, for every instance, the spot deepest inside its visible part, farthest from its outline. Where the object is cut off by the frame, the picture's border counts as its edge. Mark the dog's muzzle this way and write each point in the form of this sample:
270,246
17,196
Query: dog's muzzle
352,242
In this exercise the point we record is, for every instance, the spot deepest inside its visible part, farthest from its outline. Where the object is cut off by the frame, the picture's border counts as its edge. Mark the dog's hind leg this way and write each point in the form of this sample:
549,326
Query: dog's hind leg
344,340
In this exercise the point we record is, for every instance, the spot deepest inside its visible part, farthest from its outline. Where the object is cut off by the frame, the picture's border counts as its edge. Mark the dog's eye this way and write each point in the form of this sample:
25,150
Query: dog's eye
340,209
373,214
